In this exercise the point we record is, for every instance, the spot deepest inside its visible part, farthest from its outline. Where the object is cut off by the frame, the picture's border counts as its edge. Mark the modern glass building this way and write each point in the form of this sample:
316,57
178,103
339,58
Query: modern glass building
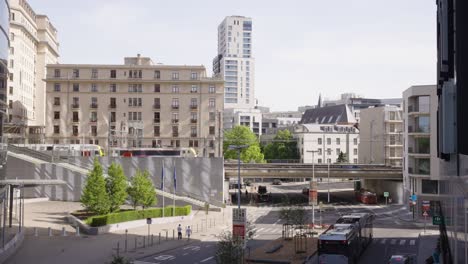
4,49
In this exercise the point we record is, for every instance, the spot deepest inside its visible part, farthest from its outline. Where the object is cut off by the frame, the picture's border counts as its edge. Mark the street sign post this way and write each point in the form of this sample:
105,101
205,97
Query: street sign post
414,197
425,214
149,221
239,220
313,193
386,194
426,206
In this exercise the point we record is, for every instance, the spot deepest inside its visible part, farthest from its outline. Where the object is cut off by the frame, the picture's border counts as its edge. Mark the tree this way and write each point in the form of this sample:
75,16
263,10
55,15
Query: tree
241,135
283,147
95,197
141,190
230,248
342,158
116,185
293,215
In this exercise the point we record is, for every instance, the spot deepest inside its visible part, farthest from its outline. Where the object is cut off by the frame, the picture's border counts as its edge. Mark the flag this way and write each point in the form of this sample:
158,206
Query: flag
162,177
175,179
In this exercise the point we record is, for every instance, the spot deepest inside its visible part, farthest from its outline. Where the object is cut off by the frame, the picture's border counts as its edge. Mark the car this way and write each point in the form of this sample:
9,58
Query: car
401,259
277,182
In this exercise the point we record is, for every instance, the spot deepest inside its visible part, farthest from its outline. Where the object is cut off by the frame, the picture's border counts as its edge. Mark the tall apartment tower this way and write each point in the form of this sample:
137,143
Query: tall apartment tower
33,45
235,63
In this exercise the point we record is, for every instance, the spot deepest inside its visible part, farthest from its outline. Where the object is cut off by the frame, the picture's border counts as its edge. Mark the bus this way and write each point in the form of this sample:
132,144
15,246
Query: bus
364,225
66,150
339,244
153,152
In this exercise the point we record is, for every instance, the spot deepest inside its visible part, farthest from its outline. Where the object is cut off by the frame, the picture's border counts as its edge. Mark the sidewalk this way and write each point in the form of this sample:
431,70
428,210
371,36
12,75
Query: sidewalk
99,249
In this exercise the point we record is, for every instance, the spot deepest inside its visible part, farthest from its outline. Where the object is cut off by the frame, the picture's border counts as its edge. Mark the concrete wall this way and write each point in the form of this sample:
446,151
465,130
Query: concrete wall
395,188
200,178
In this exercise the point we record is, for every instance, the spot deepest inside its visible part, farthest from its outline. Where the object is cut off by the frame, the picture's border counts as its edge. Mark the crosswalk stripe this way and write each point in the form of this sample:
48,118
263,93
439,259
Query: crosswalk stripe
412,242
258,231
383,241
402,242
393,242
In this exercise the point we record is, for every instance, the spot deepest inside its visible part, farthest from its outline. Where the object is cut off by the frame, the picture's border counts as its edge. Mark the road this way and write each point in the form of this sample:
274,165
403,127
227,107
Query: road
391,234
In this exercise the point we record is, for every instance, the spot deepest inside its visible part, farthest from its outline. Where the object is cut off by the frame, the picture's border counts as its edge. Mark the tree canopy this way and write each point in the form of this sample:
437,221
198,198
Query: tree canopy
342,158
95,197
241,135
116,185
283,147
141,190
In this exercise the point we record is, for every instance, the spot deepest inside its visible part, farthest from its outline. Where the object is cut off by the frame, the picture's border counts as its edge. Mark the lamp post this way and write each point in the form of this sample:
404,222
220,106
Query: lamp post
328,183
238,148
313,185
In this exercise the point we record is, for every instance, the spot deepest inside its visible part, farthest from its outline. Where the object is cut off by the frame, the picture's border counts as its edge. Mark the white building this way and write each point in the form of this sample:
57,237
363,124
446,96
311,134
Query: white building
251,118
235,63
33,45
421,173
328,140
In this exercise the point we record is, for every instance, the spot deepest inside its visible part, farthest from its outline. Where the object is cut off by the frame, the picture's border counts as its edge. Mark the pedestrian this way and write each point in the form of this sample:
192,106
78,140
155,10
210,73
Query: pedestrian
179,232
188,232
246,193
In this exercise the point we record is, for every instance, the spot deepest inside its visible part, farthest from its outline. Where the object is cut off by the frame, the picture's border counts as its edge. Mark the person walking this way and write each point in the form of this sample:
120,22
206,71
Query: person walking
179,232
188,232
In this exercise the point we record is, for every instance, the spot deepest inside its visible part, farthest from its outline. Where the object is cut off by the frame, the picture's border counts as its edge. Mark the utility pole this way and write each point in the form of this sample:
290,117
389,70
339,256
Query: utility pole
371,140
313,186
238,148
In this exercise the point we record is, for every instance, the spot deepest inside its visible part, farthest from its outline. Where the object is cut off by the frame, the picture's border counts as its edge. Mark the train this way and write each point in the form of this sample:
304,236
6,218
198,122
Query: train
153,152
66,149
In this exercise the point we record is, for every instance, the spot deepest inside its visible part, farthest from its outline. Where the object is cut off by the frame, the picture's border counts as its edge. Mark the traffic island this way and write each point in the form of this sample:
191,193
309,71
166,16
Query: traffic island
281,251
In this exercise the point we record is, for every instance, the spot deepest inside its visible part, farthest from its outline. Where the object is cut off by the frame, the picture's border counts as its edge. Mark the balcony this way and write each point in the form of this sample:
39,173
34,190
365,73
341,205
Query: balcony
75,120
156,106
94,106
175,107
56,104
423,130
175,134
157,120
421,108
193,121
193,134
92,120
112,120
75,106
75,134
175,121
94,134
194,107
113,106
157,134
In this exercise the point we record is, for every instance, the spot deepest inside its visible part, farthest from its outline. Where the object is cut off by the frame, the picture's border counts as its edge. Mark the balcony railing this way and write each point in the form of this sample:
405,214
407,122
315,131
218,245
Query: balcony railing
193,121
75,120
175,107
193,134
175,121
75,134
75,106
175,134
56,104
112,120
113,106
156,106
94,106
92,120
157,134
193,107
157,120
412,129
422,108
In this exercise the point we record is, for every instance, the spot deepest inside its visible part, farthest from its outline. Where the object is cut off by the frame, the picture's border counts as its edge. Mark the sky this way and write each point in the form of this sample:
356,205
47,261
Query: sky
374,48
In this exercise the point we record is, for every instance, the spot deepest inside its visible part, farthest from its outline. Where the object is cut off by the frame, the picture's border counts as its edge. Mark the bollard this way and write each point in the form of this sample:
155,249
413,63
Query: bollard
126,236
144,242
50,231
159,237
173,234
152,240
35,231
64,232
118,248
197,227
135,243
77,230
166,235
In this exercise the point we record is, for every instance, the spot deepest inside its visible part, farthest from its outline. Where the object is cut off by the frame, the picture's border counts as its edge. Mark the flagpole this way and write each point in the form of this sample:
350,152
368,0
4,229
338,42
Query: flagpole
162,186
173,195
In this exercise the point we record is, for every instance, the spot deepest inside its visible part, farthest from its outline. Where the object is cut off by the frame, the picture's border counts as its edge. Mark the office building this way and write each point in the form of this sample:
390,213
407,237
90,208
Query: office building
33,45
251,118
381,136
4,49
136,104
235,63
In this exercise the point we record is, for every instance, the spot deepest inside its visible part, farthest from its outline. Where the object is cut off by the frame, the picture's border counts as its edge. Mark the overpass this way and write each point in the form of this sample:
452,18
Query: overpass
301,170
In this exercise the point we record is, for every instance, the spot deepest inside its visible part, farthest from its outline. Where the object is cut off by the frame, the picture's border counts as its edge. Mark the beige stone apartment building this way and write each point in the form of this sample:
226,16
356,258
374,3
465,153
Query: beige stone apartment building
137,104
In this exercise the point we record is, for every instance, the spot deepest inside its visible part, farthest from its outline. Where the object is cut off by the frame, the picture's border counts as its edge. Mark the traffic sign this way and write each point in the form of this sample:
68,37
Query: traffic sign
149,221
239,216
414,197
426,205
238,230
425,214
386,194
437,220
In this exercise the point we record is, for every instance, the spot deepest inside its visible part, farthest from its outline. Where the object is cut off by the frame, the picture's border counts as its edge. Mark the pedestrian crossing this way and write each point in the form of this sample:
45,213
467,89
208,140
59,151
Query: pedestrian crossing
395,241
267,231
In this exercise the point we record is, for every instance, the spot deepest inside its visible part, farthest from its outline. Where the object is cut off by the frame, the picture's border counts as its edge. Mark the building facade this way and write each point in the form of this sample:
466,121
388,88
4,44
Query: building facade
235,63
34,44
381,136
4,49
251,118
137,104
327,141
421,175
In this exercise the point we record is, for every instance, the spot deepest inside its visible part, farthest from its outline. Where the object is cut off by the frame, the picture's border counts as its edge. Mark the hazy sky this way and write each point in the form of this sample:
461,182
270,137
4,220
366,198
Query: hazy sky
375,48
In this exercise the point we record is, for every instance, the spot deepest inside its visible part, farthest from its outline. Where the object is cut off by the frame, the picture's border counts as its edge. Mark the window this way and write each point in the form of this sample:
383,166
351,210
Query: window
112,117
76,87
75,102
94,131
175,88
355,141
355,151
429,187
392,127
175,131
157,88
56,115
193,143
94,88
113,88
194,89
392,115
392,152
175,118
157,117
319,151
57,73
11,76
211,89
328,141
94,102
212,130
319,161
355,161
75,130
193,131
175,76
212,144
134,74
337,141
56,129
329,151
193,117
113,103
113,74
135,88
94,73
194,76
193,103
57,87
156,131
157,103
319,141
212,116
76,73
10,90
93,117
56,100
12,63
12,16
175,103
338,151
212,102
156,143
134,116
134,102
157,74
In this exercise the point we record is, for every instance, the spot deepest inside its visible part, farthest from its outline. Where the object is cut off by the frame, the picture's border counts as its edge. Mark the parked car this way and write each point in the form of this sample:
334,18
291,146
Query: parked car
277,182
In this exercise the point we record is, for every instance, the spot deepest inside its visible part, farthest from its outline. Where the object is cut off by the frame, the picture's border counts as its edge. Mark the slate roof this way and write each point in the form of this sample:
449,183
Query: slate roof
335,114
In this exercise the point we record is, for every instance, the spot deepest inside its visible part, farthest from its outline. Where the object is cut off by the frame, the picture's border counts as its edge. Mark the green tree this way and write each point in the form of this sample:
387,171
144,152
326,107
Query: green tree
141,190
241,135
283,147
342,158
95,197
116,185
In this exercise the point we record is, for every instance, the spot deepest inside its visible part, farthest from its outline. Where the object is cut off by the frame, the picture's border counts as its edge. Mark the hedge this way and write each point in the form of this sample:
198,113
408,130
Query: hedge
113,218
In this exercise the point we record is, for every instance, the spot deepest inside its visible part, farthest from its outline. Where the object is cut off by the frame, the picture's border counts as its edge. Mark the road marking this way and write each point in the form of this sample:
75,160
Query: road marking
185,254
383,241
164,257
207,259
142,262
258,231
277,221
402,242
412,242
267,230
393,242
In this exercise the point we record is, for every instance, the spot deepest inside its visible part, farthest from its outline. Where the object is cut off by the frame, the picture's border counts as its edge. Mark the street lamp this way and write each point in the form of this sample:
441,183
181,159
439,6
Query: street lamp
313,186
238,148
328,183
